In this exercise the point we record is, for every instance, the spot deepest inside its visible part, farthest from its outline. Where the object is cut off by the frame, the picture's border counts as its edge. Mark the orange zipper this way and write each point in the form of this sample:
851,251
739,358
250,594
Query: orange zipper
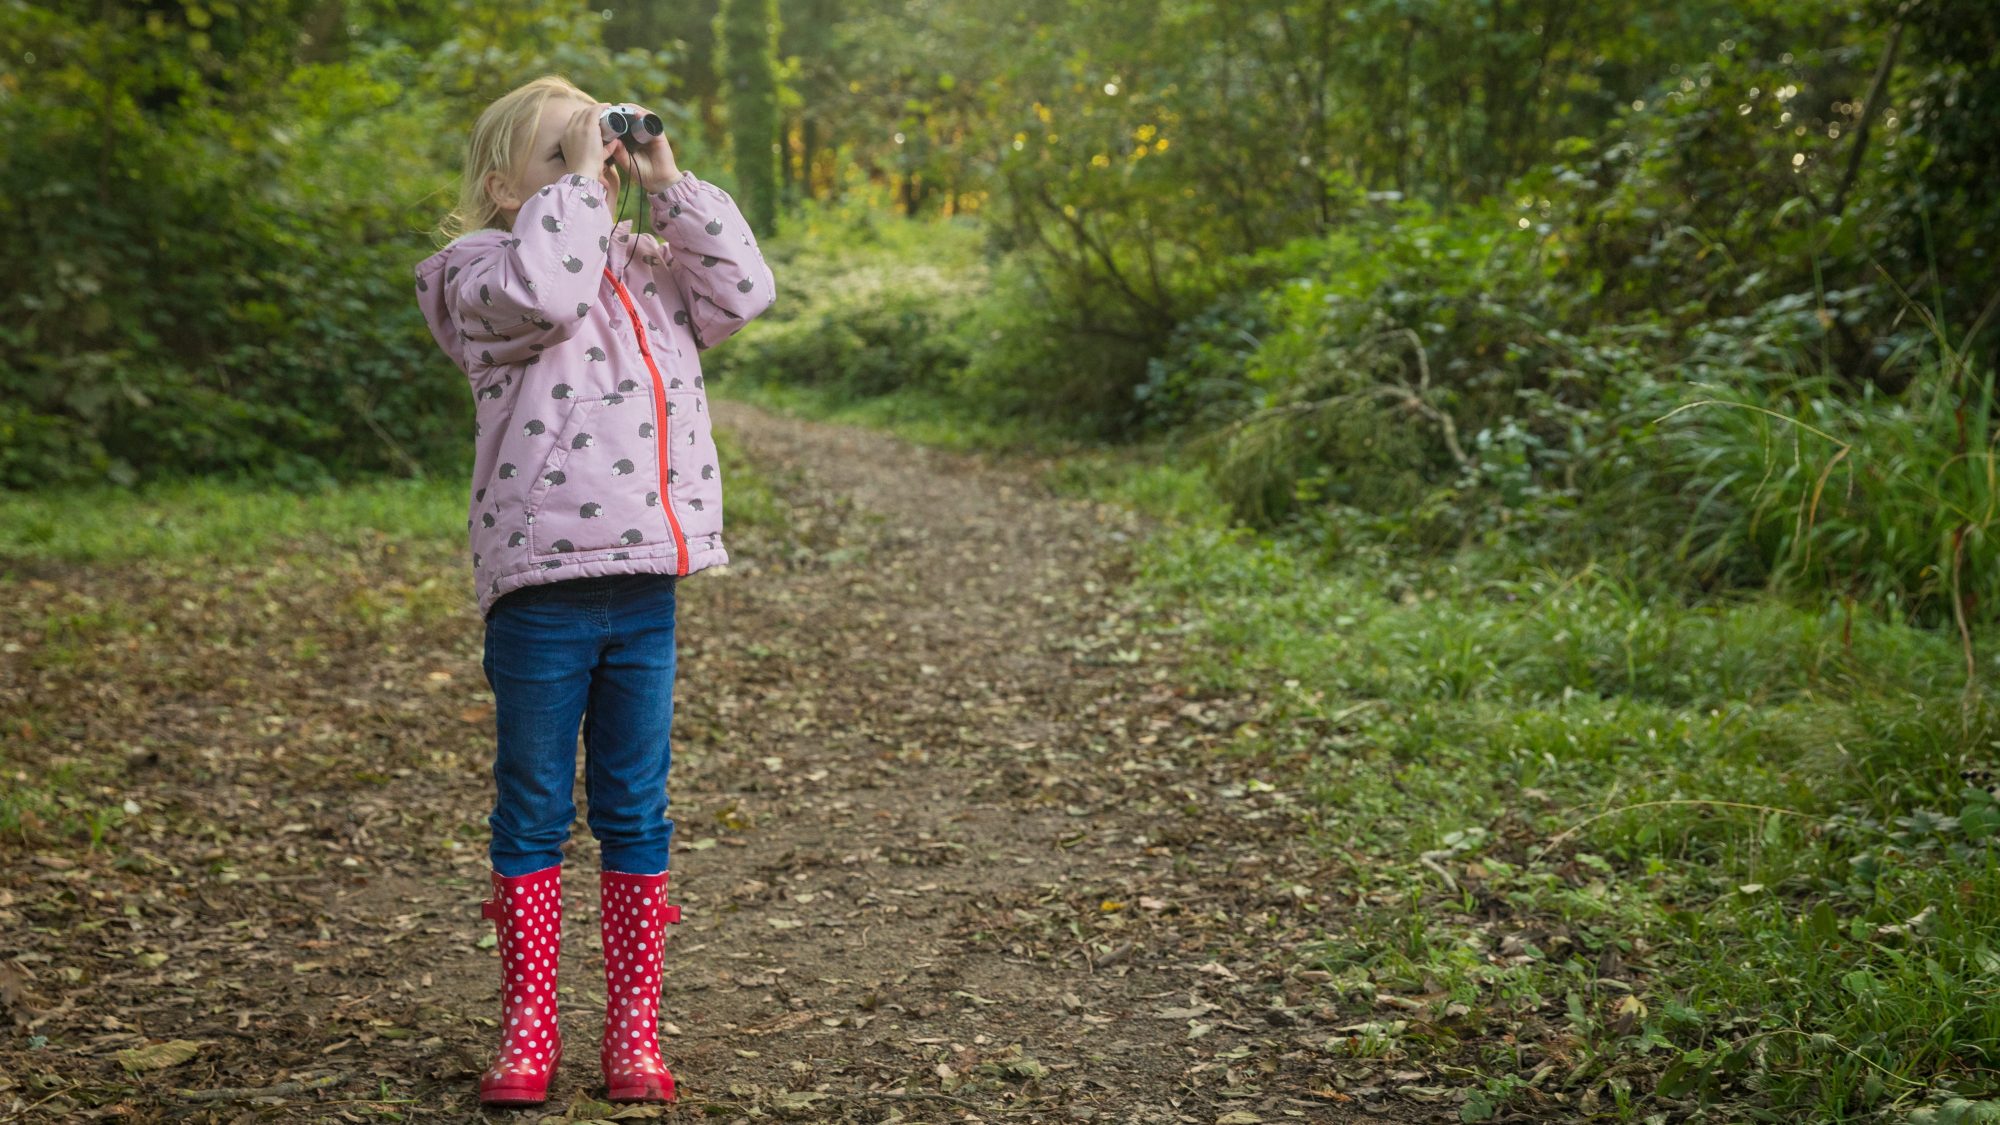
659,425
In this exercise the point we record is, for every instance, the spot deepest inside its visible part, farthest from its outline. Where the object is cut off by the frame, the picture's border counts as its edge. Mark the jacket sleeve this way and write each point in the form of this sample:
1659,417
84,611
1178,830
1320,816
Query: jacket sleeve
712,257
533,289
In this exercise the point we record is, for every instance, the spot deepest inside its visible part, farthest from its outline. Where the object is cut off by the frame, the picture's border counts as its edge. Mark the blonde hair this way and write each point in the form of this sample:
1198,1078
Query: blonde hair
508,122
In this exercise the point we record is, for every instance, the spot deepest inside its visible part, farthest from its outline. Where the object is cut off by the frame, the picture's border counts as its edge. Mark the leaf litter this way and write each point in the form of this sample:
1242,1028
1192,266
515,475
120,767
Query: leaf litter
955,841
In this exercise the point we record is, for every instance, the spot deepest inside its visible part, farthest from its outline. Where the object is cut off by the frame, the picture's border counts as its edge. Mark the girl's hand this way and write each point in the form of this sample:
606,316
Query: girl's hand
656,164
583,145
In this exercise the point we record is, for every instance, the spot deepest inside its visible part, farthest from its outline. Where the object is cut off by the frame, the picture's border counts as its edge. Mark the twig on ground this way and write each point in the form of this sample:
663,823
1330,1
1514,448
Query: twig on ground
280,1089
926,1095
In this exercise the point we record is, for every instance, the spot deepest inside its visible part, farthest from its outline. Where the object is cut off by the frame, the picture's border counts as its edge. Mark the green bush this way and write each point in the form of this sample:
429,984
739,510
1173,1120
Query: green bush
1444,380
1404,354
865,307
860,339
218,218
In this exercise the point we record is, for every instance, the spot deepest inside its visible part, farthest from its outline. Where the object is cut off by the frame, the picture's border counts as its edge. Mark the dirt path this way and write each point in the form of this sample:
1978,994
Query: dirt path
954,841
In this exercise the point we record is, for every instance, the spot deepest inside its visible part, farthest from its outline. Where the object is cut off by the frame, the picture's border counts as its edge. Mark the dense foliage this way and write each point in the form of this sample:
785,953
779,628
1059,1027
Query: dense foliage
1454,267
1706,289
213,209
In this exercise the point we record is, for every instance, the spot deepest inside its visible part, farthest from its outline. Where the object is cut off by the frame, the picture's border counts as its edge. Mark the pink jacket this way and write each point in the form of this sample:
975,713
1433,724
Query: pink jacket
594,454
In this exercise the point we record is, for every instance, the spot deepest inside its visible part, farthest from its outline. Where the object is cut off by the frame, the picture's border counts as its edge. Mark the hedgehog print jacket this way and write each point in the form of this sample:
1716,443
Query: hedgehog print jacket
594,454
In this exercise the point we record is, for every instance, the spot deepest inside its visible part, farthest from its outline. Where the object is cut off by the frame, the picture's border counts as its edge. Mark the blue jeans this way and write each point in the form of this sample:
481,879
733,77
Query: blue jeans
599,650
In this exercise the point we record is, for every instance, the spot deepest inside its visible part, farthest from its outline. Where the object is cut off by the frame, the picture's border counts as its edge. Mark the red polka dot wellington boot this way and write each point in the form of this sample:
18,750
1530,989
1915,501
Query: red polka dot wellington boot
636,916
527,911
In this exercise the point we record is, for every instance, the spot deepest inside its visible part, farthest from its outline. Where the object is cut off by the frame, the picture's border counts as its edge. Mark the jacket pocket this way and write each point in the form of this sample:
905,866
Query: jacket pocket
696,472
597,489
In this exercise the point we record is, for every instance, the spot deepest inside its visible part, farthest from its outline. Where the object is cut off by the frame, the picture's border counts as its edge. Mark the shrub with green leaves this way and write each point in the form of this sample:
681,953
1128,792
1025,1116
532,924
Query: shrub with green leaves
865,308
216,215
1446,379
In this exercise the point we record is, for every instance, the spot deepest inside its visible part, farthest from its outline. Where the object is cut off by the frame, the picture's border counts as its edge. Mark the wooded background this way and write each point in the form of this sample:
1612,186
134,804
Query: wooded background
1443,260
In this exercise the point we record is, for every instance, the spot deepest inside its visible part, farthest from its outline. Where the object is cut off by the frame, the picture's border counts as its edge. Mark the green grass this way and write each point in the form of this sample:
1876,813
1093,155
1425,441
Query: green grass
65,798
1893,500
752,498
212,520
218,521
1749,800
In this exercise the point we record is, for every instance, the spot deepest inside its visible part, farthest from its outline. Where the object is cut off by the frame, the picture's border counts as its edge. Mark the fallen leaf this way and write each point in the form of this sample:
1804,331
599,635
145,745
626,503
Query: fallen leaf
1626,1015
158,1056
1023,1066
797,1099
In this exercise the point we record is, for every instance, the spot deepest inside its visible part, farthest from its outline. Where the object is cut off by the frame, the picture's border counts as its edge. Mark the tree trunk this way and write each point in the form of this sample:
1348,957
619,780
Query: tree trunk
808,152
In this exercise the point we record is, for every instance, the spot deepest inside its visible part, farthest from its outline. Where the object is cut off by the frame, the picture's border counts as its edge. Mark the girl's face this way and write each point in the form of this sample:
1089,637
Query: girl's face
544,161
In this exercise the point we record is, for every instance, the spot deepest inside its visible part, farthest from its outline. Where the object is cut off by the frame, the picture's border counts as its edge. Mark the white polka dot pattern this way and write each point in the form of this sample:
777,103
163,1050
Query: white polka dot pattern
527,912
636,915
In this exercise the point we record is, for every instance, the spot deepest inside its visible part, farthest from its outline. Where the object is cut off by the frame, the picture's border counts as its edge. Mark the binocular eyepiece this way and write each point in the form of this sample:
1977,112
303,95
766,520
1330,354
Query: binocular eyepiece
626,123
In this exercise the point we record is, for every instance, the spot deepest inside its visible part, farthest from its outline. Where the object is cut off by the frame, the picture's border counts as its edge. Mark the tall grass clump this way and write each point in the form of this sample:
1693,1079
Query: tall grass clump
1870,498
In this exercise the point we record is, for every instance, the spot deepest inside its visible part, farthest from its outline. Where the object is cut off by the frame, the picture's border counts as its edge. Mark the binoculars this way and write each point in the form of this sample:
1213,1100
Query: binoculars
627,123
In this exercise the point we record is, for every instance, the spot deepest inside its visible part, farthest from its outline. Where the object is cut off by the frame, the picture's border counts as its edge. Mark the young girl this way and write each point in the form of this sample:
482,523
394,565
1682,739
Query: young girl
595,487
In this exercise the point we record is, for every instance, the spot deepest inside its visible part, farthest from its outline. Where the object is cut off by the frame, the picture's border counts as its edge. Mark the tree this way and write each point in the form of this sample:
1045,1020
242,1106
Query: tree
747,31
